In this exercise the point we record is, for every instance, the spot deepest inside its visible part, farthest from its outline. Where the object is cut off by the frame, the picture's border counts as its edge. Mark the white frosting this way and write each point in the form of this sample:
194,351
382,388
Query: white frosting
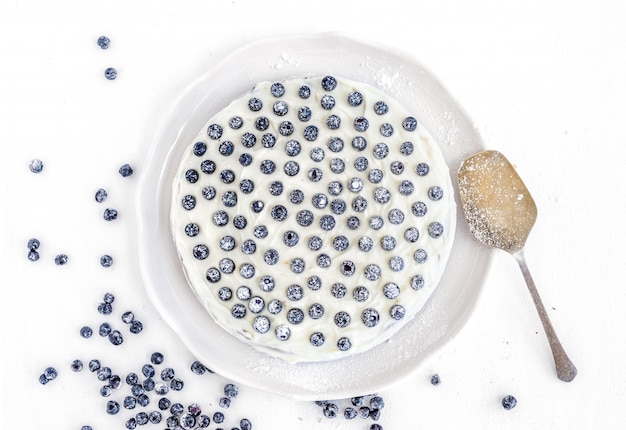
355,183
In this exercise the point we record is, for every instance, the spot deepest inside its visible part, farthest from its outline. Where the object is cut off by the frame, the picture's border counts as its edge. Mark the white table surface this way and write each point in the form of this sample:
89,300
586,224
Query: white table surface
543,81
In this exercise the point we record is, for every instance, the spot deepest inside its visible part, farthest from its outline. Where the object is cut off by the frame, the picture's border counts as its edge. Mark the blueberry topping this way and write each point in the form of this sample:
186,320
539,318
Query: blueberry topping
344,344
333,122
329,83
248,140
327,102
282,332
386,129
342,319
409,124
310,133
262,123
254,104
199,148
235,122
315,243
370,317
420,256
304,92
422,169
286,128
111,214
380,151
208,166
226,148
106,261
295,316
188,202
435,229
280,108
419,209
509,402
338,290
112,407
381,108
61,260
209,192
101,195
296,197
361,294
125,170
355,98
361,124
317,339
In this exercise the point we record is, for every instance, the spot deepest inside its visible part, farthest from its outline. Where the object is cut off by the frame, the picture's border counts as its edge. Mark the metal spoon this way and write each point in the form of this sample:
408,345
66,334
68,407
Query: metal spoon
501,213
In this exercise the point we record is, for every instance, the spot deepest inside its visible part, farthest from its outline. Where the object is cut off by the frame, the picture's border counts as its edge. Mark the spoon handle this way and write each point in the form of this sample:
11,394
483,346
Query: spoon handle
565,369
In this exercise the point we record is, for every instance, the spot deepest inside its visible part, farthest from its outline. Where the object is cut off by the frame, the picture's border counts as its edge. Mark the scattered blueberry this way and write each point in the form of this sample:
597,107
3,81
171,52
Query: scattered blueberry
76,365
33,255
112,407
36,166
103,42
110,73
435,379
136,327
509,402
125,170
61,259
106,261
116,338
156,358
110,214
33,244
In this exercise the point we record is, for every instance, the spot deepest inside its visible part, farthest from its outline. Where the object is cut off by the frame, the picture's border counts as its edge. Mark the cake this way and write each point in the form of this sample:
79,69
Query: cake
313,217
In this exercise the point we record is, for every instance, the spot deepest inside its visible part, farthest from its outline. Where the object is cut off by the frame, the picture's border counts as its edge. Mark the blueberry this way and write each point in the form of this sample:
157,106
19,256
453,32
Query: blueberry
226,265
274,307
135,327
271,257
105,391
105,329
148,370
330,410
235,122
106,261
103,42
248,247
420,256
361,294
164,403
381,108
227,176
409,123
291,168
304,113
344,344
382,195
155,417
194,409
296,197
104,373
361,124
377,402
397,312
260,232
316,311
116,338
192,176
280,108
286,128
125,170
376,426
372,272
295,316
435,229
198,368
226,148
238,311
248,140
177,409
435,193
380,151
33,255
350,413
338,290
327,102
231,390
256,305
317,339
304,92
112,407
347,268
386,129
61,260
417,282
276,188
315,243
329,83
406,187
295,292
229,199
76,365
305,218
199,148
333,122
327,222
50,373
187,421
128,317
422,169
335,188
177,384
377,222
342,319
395,216
218,417
366,243
370,317
245,424
361,163
435,379
267,167
509,402
277,89
338,206
341,243
268,140
319,201
419,209
111,214
240,222
311,133
203,421
279,213
353,222
172,422
36,166
208,167
101,195
220,218
261,124
337,165
43,380
224,402
317,154
215,131
110,73
355,98
290,238
406,148
161,388
397,167
94,365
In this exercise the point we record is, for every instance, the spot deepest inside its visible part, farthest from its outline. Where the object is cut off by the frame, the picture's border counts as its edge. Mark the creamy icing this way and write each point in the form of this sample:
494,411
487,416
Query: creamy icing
383,281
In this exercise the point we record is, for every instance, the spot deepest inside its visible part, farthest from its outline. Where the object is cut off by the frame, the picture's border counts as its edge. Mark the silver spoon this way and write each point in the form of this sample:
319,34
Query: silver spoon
501,213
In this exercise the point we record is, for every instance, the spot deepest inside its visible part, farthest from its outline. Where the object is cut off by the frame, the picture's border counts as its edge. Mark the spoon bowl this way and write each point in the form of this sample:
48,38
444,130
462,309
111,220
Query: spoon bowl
501,214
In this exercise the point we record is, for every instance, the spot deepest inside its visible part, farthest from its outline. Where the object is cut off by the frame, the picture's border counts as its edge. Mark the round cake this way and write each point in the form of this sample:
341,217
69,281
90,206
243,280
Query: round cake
313,217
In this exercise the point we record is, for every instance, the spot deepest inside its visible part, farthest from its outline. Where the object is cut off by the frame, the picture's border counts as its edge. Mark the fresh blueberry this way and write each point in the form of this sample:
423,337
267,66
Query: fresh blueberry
177,409
344,344
128,317
286,128
342,319
317,339
61,260
409,123
361,163
406,187
106,261
294,292
131,423
235,122
231,390
386,129
33,244
143,400
199,148
248,140
224,402
276,188
435,229
355,98
381,108
155,417
105,391
435,379
395,216
215,131
376,426
105,308
327,222
267,167
417,282
36,166
261,124
280,108
164,403
305,218
116,338
372,272
161,388
218,417
419,209
111,214
338,206
156,358
198,368
291,168
315,243
361,294
406,148
337,165
208,167
350,413
380,151
43,380
227,176
304,92
103,42
271,257
112,407
277,89
361,124
304,113
297,265
105,329
353,222
76,365
422,169
268,140
148,370
240,222
125,170
104,373
295,316
377,222
50,373
187,421
245,424
509,402
366,243
327,102
110,73
377,402
370,317
375,176
330,410
94,365
338,290
420,256
364,412
33,255
167,374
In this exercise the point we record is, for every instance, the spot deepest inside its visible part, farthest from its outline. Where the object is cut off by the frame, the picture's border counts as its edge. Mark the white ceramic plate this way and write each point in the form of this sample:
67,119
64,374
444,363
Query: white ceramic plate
401,77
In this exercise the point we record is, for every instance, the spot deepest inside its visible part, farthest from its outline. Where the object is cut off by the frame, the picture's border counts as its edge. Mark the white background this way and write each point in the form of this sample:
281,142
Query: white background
543,81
